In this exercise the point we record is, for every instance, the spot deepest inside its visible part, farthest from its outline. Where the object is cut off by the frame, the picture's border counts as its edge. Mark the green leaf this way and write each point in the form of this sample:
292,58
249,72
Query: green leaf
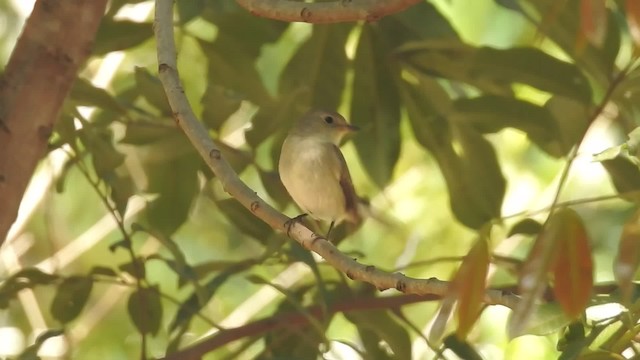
562,26
572,119
303,339
197,301
135,268
103,271
150,87
116,35
319,66
535,68
233,69
70,298
273,185
423,21
375,107
189,9
492,113
176,184
386,328
218,104
495,70
526,226
625,176
275,118
145,310
244,220
121,189
474,179
84,93
24,279
99,142
463,349
143,133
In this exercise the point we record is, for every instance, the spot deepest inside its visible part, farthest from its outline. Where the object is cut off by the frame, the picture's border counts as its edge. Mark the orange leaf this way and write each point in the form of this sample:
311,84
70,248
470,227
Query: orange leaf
573,267
628,259
593,21
633,19
470,285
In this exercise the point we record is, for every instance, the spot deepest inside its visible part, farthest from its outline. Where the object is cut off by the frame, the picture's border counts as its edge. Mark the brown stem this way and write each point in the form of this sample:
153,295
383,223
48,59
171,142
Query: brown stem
325,12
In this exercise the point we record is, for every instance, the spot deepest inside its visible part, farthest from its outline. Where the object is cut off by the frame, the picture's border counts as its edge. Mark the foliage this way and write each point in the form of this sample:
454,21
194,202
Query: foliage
453,130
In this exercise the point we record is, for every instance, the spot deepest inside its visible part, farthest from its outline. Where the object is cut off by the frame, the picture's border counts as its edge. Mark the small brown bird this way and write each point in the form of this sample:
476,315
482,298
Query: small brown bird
313,169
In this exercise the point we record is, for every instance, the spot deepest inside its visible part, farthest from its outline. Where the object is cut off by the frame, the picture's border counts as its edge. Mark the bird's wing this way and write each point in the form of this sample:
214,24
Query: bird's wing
350,196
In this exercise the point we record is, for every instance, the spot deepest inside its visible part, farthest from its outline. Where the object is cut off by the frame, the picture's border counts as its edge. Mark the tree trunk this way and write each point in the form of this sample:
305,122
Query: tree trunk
55,42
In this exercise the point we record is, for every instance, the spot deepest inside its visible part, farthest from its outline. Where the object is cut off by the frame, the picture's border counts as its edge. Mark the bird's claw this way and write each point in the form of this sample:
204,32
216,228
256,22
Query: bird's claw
289,223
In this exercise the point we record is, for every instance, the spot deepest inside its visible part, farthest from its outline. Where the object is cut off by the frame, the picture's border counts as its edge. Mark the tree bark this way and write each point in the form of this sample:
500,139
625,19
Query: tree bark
55,42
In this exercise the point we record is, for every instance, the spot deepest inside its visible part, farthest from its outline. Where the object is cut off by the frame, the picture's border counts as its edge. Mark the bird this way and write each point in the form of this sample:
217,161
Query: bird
314,171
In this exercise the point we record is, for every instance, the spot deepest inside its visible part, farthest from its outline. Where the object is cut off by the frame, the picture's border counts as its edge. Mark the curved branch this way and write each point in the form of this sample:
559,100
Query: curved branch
325,12
232,184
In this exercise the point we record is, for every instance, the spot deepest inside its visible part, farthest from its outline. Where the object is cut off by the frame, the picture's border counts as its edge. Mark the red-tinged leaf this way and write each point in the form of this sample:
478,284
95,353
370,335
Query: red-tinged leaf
633,19
534,275
593,21
470,285
573,268
628,259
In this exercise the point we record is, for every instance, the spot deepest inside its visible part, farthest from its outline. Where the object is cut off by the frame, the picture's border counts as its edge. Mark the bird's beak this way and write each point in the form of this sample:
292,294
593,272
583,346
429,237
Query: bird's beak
351,128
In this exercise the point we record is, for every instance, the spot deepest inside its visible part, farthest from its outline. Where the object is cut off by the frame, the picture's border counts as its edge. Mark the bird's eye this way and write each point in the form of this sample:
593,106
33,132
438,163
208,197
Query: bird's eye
328,119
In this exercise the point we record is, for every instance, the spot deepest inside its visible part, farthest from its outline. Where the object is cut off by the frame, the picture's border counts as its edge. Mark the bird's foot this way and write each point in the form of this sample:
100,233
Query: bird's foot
289,223
330,228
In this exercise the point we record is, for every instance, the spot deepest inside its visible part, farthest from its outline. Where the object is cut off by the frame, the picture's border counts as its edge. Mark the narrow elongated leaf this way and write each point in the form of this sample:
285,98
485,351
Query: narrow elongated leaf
197,301
99,142
145,310
474,179
628,259
572,120
495,70
543,259
189,9
562,25
150,88
233,70
218,104
319,66
491,113
593,21
424,21
84,93
176,184
535,68
244,220
469,285
70,298
625,177
386,329
633,20
23,279
116,35
375,107
461,348
573,269
527,226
